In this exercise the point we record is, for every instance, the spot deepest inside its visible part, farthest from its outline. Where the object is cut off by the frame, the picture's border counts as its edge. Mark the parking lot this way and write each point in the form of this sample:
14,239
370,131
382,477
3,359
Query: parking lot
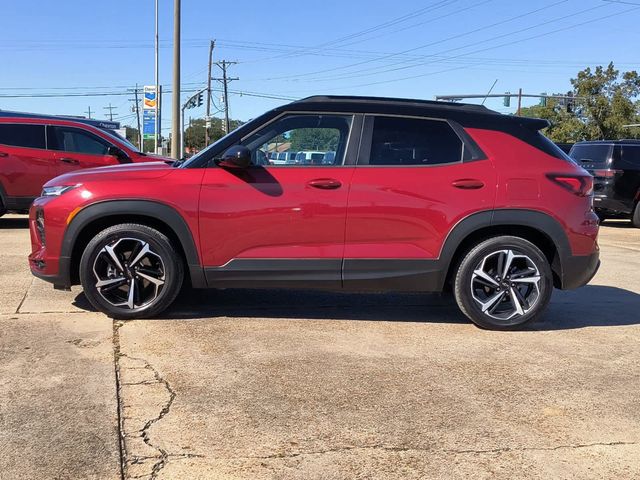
265,384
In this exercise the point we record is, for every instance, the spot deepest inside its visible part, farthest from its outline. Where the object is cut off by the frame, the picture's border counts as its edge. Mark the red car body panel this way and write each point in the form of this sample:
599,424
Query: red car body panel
23,171
272,213
407,212
524,184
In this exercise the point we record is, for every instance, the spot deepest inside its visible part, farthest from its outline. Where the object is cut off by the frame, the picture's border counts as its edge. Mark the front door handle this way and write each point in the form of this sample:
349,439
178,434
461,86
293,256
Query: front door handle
468,184
325,183
70,161
3,154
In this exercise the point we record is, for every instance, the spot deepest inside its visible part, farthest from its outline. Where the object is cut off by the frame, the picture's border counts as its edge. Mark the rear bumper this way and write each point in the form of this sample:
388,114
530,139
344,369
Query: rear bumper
578,270
610,205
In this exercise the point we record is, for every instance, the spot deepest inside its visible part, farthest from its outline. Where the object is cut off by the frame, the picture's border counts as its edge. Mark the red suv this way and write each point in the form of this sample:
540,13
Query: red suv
414,196
33,150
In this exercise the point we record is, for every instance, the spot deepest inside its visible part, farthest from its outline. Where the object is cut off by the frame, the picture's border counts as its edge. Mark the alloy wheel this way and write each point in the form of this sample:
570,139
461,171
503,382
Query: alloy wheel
506,284
129,274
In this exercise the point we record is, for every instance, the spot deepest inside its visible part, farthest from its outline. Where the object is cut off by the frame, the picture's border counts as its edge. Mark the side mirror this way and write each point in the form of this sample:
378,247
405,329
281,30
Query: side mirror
237,156
119,154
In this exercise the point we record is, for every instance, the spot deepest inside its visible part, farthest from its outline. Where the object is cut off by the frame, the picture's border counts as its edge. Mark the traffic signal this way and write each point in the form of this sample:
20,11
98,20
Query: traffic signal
507,100
571,103
199,100
543,99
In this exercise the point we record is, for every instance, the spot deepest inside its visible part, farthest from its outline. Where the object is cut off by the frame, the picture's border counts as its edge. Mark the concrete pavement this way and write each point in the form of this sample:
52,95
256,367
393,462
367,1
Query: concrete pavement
250,384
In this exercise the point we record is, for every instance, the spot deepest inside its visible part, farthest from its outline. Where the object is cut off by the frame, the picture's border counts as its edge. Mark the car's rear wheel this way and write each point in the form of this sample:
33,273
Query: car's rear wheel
3,210
635,219
503,283
131,271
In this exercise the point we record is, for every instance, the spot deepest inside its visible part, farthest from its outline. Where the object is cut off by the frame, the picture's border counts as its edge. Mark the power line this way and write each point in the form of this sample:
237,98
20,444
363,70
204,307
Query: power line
492,48
437,42
436,5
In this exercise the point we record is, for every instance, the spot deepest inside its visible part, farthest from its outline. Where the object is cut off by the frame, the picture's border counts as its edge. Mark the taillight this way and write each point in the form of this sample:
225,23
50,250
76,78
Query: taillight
580,185
605,173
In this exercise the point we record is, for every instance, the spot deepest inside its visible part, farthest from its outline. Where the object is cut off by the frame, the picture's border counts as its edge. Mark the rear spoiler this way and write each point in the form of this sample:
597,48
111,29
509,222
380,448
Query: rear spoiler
534,124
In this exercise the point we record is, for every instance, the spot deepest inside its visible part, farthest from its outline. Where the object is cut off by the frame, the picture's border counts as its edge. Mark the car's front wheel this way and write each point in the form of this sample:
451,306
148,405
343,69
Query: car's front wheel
503,283
131,271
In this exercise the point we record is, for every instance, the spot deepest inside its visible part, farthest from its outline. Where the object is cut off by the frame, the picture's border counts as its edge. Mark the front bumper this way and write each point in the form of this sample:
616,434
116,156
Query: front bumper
578,270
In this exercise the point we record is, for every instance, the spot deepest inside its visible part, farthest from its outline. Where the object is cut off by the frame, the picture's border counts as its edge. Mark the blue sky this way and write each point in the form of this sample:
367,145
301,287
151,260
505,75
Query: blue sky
292,49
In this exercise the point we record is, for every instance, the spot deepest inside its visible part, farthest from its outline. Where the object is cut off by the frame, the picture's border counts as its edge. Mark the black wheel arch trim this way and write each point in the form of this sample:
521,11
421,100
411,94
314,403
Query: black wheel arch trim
149,208
542,222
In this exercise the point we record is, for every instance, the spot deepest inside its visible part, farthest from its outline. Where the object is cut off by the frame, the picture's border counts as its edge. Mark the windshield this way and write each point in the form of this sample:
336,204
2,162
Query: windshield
217,145
590,155
121,139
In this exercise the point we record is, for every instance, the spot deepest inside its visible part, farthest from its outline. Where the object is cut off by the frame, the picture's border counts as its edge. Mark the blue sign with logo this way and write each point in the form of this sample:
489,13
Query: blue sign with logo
148,124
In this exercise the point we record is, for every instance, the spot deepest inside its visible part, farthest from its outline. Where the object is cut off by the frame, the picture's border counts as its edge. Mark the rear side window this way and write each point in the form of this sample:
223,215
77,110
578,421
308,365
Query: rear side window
22,135
409,141
592,155
69,139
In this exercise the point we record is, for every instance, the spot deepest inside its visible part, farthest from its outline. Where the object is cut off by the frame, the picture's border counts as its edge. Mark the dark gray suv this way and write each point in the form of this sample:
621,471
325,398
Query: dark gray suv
615,166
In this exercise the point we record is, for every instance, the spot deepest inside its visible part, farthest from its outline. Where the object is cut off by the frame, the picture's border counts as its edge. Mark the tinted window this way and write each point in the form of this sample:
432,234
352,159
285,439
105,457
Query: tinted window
591,155
407,141
318,133
631,156
70,139
22,135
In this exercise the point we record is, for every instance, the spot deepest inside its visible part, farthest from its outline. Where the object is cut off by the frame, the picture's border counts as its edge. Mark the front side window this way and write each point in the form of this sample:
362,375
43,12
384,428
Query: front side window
69,139
22,135
313,136
409,141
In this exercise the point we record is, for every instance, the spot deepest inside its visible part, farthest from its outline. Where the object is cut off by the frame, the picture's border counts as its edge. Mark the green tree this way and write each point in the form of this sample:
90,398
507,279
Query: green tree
324,139
606,101
564,126
609,101
194,135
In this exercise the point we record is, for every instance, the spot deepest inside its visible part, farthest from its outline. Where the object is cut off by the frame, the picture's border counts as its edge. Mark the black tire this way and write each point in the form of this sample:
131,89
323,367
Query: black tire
486,256
2,209
162,263
635,218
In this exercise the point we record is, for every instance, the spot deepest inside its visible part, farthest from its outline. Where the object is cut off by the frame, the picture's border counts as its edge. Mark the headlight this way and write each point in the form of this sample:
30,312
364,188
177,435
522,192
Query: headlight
57,190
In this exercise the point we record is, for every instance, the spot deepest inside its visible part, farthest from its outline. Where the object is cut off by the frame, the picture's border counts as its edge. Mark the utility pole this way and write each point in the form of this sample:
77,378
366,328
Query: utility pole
157,83
136,109
225,84
175,98
110,114
519,102
88,112
207,120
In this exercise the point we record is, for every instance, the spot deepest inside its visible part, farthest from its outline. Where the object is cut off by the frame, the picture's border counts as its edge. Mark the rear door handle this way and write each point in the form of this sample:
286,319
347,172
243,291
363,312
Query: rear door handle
70,161
3,154
468,184
325,183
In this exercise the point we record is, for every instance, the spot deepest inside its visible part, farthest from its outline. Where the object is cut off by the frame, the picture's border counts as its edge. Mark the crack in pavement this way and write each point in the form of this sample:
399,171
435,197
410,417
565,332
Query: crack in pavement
120,416
129,458
414,449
